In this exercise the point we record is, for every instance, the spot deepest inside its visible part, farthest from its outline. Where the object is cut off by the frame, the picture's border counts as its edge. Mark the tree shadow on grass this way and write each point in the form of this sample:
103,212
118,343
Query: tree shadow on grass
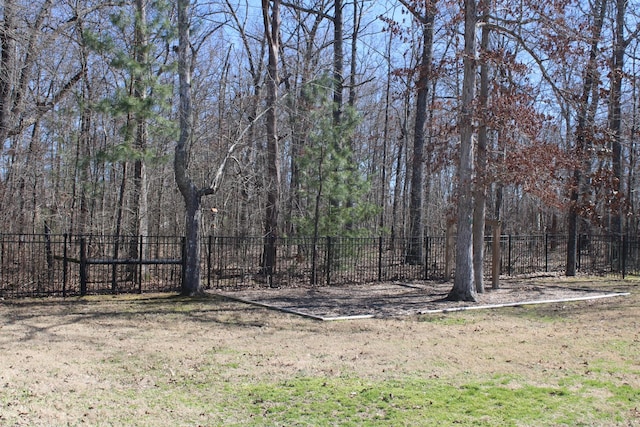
35,319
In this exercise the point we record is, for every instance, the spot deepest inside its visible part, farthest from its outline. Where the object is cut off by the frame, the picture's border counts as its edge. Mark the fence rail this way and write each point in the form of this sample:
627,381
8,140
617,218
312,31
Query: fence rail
65,265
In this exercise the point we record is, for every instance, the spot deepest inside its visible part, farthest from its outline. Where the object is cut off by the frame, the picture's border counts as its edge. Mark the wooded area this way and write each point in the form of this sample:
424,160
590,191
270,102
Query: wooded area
354,118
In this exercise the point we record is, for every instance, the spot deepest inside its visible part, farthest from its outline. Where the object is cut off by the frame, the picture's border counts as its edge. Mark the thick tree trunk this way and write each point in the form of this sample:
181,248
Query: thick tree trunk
480,185
191,275
272,31
463,285
416,209
191,264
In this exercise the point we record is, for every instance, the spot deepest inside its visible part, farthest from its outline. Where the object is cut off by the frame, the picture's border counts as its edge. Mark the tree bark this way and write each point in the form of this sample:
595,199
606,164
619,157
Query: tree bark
480,185
615,116
272,31
463,285
191,275
140,195
7,67
416,209
338,61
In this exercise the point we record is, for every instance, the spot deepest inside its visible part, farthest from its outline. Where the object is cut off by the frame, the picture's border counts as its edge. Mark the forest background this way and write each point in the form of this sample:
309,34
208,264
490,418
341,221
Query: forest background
314,117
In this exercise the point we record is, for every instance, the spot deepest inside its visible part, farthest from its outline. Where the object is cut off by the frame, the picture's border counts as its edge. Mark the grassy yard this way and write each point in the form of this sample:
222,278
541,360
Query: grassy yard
160,360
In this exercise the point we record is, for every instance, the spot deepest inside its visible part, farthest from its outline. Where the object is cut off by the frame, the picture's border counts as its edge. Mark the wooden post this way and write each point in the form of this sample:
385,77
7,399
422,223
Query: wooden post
141,270
64,266
209,251
496,229
83,266
380,258
329,260
449,244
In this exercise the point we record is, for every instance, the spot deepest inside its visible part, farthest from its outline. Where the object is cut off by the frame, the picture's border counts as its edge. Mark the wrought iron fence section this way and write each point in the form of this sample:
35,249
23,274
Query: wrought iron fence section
64,265
30,265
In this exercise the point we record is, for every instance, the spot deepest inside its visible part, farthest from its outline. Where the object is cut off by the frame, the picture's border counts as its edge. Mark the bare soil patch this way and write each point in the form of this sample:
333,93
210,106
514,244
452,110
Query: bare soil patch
402,299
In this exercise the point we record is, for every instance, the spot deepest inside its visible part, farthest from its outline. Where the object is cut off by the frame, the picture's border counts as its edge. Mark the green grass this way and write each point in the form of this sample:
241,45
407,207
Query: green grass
345,401
309,401
218,384
212,394
444,320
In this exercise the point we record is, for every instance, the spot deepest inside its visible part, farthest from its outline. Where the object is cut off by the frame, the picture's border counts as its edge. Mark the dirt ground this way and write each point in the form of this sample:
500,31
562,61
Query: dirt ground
403,299
54,353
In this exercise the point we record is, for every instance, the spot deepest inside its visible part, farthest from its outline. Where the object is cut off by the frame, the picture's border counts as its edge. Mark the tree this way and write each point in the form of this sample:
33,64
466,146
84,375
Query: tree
327,176
480,184
38,72
424,14
271,18
192,194
617,75
463,286
305,63
19,111
586,112
338,61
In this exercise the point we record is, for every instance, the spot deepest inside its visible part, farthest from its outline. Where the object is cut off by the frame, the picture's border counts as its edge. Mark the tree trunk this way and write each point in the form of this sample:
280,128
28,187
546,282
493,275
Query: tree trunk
82,165
398,188
416,209
191,275
272,31
140,195
7,67
463,285
480,185
191,285
615,116
385,139
338,61
585,111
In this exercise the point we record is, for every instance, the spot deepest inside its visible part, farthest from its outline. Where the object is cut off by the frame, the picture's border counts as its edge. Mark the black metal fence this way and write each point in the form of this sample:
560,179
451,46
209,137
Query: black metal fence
64,265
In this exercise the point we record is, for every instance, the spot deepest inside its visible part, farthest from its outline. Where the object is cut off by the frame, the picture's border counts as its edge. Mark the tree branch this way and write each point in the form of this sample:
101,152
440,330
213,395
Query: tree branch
560,93
217,178
307,10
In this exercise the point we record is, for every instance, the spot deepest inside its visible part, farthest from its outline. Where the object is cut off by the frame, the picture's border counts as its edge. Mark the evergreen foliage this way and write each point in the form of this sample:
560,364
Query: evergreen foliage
330,179
142,95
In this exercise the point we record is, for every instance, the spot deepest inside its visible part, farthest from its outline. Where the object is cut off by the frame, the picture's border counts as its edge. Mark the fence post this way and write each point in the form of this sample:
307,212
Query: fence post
140,269
380,259
329,259
271,265
183,262
509,255
219,244
624,256
546,252
578,252
449,246
209,249
426,257
64,266
114,266
496,229
83,266
314,261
